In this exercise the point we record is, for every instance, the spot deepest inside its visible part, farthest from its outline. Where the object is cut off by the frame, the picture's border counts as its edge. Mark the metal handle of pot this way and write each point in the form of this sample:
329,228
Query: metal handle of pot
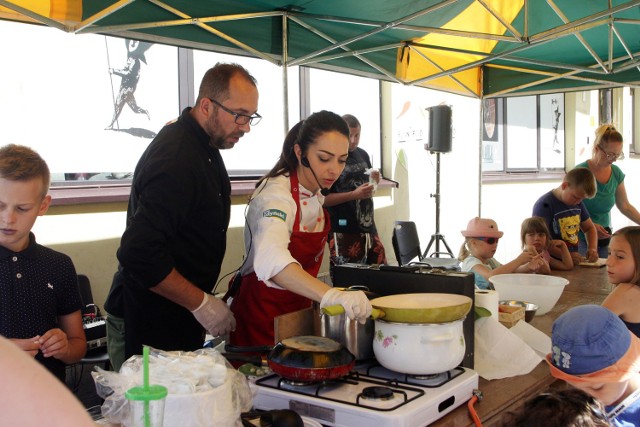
335,310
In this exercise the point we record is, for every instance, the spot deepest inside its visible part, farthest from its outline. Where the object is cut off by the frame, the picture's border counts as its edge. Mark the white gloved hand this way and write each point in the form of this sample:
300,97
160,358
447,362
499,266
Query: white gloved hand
214,315
356,304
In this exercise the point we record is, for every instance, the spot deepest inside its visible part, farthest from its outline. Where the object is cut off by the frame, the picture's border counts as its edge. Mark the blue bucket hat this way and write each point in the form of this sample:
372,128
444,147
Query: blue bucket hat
590,341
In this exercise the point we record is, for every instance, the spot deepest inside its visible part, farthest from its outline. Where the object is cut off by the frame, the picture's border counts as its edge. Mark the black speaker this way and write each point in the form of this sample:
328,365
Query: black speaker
439,129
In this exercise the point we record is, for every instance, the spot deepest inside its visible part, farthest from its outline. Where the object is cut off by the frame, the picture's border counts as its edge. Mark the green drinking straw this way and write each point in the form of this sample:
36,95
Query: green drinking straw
145,383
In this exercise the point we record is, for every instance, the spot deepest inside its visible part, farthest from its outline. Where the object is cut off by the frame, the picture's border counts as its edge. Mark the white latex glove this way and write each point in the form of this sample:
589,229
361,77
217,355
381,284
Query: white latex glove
356,304
214,315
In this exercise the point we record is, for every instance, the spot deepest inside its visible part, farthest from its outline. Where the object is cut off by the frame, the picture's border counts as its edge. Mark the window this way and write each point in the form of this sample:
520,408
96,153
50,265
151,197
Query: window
58,95
91,104
523,134
257,151
346,94
634,101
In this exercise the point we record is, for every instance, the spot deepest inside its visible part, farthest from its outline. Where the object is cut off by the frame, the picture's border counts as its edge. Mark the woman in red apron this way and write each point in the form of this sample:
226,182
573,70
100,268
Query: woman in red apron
286,232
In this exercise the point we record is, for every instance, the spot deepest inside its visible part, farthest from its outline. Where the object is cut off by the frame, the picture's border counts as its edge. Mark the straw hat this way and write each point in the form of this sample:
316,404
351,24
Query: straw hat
482,227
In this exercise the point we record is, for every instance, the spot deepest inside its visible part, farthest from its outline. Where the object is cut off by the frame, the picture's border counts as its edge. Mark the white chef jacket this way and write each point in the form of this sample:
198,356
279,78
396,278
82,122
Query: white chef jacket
269,223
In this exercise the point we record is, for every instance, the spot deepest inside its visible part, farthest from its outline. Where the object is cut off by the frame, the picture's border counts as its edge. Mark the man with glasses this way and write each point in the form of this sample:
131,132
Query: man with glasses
607,148
175,239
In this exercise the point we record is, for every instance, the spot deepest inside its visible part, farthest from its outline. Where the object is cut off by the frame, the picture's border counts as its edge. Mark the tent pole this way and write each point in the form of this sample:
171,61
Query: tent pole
480,151
285,74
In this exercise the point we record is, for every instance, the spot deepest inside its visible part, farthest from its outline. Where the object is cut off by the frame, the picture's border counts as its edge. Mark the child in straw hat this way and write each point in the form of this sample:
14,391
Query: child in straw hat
479,247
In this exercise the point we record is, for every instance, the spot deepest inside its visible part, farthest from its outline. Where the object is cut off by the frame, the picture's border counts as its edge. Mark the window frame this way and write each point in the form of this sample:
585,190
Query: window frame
514,173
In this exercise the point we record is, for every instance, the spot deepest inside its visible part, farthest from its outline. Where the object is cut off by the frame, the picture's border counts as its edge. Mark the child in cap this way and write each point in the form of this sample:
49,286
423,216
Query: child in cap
479,247
536,239
39,297
566,215
559,408
623,267
592,350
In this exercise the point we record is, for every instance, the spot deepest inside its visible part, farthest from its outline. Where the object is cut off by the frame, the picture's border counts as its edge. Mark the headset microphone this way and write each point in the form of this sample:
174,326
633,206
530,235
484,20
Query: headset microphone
306,164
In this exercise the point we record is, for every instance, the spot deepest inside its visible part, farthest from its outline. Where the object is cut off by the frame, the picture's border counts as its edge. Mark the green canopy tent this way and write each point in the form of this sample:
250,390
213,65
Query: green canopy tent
479,48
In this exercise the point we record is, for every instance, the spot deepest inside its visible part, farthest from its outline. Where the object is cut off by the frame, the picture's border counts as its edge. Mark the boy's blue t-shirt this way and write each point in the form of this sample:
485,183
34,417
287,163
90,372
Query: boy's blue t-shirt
562,220
629,418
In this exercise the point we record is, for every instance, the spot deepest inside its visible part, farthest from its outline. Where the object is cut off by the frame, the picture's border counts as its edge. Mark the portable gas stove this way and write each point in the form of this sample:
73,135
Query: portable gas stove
371,394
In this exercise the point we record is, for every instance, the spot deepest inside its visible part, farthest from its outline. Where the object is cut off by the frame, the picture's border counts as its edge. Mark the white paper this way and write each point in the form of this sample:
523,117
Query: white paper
499,353
601,262
537,340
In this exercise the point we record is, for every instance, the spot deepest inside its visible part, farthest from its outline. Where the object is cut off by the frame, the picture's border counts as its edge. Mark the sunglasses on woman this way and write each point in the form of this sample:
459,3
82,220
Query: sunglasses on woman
489,240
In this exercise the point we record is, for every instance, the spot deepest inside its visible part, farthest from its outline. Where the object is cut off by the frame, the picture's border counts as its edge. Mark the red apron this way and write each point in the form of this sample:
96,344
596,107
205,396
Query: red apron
256,305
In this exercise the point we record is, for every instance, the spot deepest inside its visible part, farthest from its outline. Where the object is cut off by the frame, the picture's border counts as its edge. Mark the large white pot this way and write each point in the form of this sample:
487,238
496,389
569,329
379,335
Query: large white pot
419,348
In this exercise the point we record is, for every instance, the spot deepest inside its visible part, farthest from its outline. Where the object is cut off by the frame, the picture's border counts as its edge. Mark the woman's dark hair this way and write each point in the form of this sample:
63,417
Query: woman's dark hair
559,408
305,133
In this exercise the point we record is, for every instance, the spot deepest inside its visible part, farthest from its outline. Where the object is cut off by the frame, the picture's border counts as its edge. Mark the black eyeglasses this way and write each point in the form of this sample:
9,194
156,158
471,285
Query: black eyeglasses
612,157
240,119
489,240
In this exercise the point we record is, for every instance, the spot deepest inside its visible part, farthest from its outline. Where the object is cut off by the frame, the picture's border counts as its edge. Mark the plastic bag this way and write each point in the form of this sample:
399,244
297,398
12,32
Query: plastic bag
204,389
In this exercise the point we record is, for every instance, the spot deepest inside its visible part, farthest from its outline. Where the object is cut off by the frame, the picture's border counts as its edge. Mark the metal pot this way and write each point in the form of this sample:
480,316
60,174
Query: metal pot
419,349
355,336
310,358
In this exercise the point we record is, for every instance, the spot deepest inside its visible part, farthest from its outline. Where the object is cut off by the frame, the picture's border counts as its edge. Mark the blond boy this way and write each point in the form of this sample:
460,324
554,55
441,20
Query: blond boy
39,297
565,214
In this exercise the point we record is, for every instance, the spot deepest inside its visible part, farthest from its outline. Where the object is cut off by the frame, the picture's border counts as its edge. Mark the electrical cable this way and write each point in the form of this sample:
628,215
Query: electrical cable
246,223
477,396
305,162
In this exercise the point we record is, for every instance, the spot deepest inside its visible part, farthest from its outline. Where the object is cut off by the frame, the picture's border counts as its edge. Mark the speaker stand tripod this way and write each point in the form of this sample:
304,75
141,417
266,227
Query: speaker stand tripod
436,238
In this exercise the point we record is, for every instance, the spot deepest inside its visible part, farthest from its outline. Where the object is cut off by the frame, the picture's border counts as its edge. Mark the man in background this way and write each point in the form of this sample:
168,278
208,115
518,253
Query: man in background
353,237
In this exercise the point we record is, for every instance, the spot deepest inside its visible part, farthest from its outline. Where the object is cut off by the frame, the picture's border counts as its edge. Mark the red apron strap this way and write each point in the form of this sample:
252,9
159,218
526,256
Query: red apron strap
256,304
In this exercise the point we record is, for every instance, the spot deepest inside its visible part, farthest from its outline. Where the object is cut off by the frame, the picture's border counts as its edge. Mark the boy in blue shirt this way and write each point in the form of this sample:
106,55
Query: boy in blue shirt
39,297
566,215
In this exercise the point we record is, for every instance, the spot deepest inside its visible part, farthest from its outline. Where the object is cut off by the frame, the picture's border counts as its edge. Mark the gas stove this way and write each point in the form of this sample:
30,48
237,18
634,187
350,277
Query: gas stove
371,395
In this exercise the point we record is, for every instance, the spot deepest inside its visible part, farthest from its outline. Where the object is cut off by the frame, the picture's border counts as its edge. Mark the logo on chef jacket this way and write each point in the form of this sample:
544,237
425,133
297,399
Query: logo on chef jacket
274,213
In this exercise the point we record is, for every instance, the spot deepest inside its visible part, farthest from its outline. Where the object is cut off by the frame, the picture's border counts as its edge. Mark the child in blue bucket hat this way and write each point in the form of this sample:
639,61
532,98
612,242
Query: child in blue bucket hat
592,349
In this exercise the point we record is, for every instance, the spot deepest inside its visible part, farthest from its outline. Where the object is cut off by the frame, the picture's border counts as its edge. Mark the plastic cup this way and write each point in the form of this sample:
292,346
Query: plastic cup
372,180
146,405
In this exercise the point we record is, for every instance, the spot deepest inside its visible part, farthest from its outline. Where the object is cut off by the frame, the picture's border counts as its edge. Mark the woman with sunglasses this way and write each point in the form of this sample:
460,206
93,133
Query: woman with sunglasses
607,148
479,247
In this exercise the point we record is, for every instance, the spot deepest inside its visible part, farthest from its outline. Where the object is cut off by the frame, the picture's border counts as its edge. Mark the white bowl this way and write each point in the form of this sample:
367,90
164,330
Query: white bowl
539,289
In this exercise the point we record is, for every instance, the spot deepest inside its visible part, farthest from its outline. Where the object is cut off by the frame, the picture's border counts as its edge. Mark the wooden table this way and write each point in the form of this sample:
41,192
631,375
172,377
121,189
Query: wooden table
586,286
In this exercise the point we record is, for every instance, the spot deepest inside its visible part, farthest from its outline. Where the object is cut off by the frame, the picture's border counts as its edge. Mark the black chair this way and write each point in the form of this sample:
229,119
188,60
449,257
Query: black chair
405,241
86,296
91,312
406,245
